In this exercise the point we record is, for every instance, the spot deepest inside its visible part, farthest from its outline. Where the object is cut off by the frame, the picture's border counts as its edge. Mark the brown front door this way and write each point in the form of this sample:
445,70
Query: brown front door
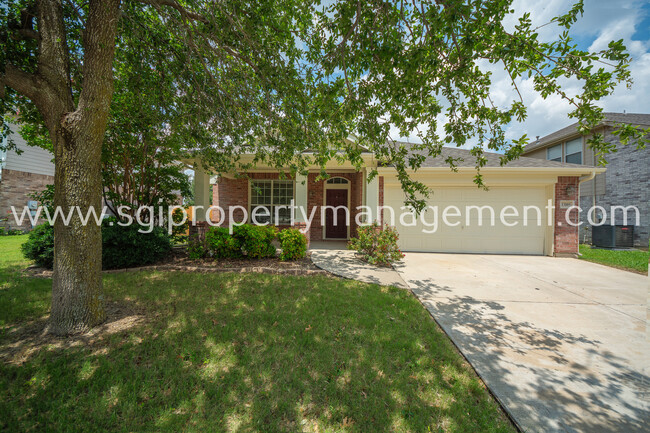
335,198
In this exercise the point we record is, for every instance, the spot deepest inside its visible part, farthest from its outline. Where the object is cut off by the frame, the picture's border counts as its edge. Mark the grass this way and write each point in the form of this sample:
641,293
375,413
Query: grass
631,260
237,352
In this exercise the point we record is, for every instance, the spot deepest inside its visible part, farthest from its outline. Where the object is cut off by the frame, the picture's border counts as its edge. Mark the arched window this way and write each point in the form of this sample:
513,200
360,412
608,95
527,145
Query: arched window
337,181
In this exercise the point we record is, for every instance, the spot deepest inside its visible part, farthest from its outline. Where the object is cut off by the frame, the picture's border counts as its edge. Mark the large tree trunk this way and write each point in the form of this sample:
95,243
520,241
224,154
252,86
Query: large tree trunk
77,300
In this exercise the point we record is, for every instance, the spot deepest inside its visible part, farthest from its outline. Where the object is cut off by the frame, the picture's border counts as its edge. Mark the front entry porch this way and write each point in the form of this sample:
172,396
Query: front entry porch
318,202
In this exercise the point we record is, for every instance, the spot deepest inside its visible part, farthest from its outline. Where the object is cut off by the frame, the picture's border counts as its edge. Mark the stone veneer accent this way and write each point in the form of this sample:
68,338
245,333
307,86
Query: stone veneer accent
566,235
15,190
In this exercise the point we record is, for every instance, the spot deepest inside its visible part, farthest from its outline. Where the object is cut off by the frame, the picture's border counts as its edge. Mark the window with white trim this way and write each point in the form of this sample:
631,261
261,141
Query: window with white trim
554,153
573,151
266,195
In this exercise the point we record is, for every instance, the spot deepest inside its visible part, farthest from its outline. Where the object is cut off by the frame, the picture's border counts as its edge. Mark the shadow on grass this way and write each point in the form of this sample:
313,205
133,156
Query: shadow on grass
253,353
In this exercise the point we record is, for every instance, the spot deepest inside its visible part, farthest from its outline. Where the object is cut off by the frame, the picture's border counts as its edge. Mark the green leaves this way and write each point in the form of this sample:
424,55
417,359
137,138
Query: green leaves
276,78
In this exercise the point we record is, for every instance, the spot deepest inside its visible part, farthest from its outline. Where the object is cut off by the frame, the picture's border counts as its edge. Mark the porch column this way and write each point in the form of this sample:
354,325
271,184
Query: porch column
301,198
201,192
372,195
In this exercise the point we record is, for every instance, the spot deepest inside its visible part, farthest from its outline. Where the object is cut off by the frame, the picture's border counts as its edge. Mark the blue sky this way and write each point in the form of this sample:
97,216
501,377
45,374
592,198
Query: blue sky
603,21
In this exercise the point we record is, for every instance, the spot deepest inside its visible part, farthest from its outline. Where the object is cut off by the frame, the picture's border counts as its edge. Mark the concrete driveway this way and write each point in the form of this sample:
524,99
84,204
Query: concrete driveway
561,342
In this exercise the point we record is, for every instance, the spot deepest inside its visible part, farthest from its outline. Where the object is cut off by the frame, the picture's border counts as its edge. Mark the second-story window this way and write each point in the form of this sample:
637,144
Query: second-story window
573,151
554,153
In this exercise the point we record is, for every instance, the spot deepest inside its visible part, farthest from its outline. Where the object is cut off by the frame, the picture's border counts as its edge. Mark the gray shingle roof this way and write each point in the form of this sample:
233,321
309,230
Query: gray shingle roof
609,120
467,160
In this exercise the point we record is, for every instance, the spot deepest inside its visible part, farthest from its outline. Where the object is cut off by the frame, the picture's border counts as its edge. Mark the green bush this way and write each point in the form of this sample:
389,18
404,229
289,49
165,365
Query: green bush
39,246
179,233
195,248
221,245
256,241
123,246
377,246
293,244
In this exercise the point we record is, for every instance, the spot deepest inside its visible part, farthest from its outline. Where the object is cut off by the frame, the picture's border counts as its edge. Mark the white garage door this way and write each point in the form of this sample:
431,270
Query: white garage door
469,236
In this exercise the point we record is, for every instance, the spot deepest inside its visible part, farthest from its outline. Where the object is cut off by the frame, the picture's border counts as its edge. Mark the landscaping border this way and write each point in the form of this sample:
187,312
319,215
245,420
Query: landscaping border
46,273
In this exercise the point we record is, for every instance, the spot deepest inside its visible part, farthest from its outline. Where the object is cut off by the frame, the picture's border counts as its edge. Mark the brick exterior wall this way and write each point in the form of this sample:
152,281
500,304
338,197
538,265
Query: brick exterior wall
15,188
230,192
627,184
234,192
566,235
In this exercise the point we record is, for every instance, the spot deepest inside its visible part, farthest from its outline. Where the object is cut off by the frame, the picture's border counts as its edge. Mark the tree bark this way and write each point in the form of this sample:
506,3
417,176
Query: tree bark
77,299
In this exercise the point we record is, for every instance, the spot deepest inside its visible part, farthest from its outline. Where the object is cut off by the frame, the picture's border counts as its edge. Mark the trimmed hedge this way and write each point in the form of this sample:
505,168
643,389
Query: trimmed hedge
293,244
256,241
221,245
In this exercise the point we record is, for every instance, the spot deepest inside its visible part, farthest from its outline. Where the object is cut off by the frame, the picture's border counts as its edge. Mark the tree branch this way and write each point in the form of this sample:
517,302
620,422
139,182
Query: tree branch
22,82
25,34
175,5
99,45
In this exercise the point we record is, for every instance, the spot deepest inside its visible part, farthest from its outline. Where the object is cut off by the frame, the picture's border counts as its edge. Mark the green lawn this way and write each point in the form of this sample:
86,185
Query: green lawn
633,260
233,352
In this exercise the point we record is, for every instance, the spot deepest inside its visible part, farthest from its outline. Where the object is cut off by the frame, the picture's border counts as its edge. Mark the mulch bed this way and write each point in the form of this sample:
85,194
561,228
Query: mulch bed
178,261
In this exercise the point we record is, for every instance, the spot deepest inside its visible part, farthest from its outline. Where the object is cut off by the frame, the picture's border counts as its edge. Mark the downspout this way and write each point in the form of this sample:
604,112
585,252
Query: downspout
587,177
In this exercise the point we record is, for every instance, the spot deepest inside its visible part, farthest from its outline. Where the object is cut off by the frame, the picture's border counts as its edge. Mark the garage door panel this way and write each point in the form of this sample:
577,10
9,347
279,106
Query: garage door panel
468,236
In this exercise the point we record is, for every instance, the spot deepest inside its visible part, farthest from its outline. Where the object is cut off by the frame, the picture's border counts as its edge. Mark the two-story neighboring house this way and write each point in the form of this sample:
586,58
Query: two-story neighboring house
22,173
625,183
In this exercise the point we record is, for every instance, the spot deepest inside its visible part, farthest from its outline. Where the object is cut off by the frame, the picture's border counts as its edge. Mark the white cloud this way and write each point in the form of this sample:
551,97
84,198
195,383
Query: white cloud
603,21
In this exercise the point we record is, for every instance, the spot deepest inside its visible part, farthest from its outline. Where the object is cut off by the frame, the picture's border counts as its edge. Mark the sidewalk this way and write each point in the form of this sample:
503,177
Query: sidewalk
345,264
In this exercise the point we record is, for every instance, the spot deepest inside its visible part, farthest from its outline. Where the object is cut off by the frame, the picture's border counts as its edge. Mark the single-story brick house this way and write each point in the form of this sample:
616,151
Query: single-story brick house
552,187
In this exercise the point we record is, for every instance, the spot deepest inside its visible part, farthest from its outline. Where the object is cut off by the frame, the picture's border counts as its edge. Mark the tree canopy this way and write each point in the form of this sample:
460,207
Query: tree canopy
272,78
275,78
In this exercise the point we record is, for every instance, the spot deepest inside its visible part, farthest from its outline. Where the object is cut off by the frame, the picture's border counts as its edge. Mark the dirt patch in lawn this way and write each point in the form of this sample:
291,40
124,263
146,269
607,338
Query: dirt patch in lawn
22,341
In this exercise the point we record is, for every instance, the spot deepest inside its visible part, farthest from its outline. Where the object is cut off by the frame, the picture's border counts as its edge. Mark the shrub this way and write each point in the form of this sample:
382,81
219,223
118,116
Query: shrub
123,246
179,233
256,241
40,245
195,249
377,246
221,245
293,244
